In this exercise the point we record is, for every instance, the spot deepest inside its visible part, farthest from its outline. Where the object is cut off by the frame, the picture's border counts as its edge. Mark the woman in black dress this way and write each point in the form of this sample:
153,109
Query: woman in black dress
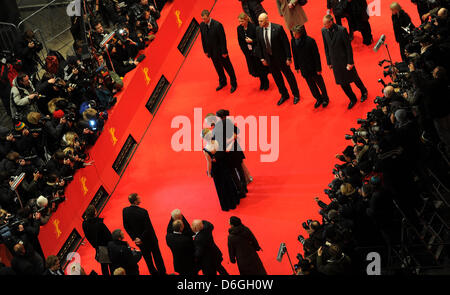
218,169
247,41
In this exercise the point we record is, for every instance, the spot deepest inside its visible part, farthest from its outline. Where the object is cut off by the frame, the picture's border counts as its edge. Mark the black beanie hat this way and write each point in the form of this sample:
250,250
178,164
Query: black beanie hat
235,221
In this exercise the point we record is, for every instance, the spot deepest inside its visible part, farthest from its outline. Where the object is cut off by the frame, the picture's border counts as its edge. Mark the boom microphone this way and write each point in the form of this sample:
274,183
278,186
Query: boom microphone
379,43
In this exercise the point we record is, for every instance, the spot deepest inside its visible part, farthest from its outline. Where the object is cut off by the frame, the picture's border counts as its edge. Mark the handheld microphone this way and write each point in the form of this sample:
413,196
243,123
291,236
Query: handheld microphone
379,43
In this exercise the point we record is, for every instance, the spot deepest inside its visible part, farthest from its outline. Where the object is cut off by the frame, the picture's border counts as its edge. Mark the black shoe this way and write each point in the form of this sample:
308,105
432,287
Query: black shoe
325,103
266,84
261,83
296,99
318,103
220,87
364,96
350,37
351,104
233,88
282,99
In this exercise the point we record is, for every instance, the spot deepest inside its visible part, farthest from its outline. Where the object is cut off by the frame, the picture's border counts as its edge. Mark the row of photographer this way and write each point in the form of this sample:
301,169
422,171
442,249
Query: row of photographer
384,173
56,119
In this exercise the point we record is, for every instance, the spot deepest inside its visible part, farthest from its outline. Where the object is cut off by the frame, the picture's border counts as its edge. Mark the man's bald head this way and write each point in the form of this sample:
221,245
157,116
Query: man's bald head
19,249
263,20
197,225
388,91
442,13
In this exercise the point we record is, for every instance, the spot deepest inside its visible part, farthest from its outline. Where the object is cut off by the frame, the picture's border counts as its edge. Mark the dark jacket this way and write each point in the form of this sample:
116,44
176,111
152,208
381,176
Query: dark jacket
400,20
340,266
214,41
279,43
207,254
96,232
138,225
339,53
187,231
182,248
306,55
122,256
242,247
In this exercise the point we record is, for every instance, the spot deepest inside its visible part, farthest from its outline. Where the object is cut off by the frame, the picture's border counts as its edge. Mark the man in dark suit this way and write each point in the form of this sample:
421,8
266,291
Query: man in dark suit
307,60
274,51
139,227
339,53
177,215
207,255
182,247
214,44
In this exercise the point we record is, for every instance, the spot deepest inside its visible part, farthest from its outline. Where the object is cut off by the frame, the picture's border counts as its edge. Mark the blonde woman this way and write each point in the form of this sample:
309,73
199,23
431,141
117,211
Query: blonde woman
246,32
218,169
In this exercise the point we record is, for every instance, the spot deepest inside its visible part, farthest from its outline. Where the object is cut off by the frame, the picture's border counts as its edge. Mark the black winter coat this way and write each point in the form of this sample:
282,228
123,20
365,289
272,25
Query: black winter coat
214,41
96,232
122,256
182,248
339,53
243,247
306,56
207,254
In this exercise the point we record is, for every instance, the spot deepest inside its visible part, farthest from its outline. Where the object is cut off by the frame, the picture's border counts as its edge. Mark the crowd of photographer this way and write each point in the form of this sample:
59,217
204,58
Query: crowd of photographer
58,116
383,174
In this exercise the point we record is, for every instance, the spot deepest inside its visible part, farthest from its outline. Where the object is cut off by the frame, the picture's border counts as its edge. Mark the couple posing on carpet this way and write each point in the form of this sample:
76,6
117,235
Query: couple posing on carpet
224,158
267,50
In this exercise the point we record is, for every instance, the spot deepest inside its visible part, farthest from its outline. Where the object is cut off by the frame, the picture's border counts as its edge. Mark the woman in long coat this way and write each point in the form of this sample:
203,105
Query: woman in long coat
243,247
246,32
292,13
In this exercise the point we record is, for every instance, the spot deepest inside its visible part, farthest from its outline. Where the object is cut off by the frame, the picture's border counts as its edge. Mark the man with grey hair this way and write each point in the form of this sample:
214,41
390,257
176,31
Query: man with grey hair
207,255
177,215
121,254
182,248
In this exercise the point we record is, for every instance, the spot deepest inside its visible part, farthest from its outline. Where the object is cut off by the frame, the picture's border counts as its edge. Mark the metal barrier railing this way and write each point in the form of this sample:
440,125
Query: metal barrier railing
8,36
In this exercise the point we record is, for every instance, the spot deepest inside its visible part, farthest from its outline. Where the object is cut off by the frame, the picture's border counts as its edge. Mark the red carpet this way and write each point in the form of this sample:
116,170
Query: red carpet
281,196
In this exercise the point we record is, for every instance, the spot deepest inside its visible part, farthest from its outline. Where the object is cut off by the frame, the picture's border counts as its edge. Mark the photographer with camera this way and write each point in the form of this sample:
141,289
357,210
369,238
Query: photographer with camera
122,255
27,49
24,97
400,21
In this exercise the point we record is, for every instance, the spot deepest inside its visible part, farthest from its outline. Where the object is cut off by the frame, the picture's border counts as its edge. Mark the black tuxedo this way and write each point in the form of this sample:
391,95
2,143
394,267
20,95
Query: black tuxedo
208,255
339,53
307,60
182,247
276,56
214,44
138,225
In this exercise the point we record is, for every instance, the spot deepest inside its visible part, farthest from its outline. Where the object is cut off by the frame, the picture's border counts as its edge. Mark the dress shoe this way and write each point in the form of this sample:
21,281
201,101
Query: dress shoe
233,89
317,104
351,104
220,87
364,96
325,103
296,99
350,37
266,86
282,99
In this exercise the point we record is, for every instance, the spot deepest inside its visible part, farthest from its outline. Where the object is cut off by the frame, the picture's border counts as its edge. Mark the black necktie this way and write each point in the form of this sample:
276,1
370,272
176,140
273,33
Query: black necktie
266,40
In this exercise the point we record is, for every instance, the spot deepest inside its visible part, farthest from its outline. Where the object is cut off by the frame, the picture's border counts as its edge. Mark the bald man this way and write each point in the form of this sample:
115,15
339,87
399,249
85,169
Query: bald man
275,52
207,255
339,53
